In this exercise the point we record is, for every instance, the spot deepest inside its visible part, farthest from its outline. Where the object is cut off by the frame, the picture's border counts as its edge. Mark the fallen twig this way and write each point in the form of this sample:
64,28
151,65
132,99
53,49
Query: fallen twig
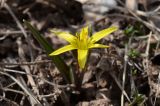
25,89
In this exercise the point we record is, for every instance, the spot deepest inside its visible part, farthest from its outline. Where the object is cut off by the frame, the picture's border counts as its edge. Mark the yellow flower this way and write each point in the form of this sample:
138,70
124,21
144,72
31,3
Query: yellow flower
82,43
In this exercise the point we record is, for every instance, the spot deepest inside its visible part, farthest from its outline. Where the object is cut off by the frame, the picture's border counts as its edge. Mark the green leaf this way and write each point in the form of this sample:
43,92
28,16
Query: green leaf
59,63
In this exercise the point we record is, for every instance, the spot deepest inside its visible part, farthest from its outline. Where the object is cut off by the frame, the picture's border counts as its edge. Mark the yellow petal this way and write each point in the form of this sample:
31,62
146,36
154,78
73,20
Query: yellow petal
98,46
66,36
84,33
99,35
82,57
62,50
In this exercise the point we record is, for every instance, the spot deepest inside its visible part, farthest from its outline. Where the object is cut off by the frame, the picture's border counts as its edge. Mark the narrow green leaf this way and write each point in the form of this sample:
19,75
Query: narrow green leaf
59,63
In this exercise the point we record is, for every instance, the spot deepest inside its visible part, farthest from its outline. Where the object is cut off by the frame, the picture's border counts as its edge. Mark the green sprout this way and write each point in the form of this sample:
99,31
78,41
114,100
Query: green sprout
82,43
136,29
138,100
133,53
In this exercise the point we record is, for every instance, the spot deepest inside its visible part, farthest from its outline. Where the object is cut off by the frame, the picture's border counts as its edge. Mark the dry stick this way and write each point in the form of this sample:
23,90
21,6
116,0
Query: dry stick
8,32
137,18
20,27
27,38
157,47
120,86
25,89
138,13
3,94
158,89
10,85
124,74
2,2
15,71
125,68
21,79
27,63
146,62
24,83
22,101
35,76
13,90
47,96
151,26
27,69
148,46
10,101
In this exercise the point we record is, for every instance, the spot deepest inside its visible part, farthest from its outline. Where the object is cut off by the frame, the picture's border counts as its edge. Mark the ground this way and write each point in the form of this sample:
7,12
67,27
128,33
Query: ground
29,77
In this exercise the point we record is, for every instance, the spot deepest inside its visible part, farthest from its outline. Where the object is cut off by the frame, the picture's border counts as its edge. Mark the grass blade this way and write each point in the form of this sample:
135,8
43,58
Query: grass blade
59,63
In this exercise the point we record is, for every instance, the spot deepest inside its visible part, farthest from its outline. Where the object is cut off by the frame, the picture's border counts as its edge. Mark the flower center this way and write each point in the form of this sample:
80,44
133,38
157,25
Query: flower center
82,43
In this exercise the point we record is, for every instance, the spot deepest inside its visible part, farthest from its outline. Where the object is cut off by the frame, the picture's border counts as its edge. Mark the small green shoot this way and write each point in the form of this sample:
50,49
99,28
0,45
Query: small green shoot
134,30
130,31
133,53
138,100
